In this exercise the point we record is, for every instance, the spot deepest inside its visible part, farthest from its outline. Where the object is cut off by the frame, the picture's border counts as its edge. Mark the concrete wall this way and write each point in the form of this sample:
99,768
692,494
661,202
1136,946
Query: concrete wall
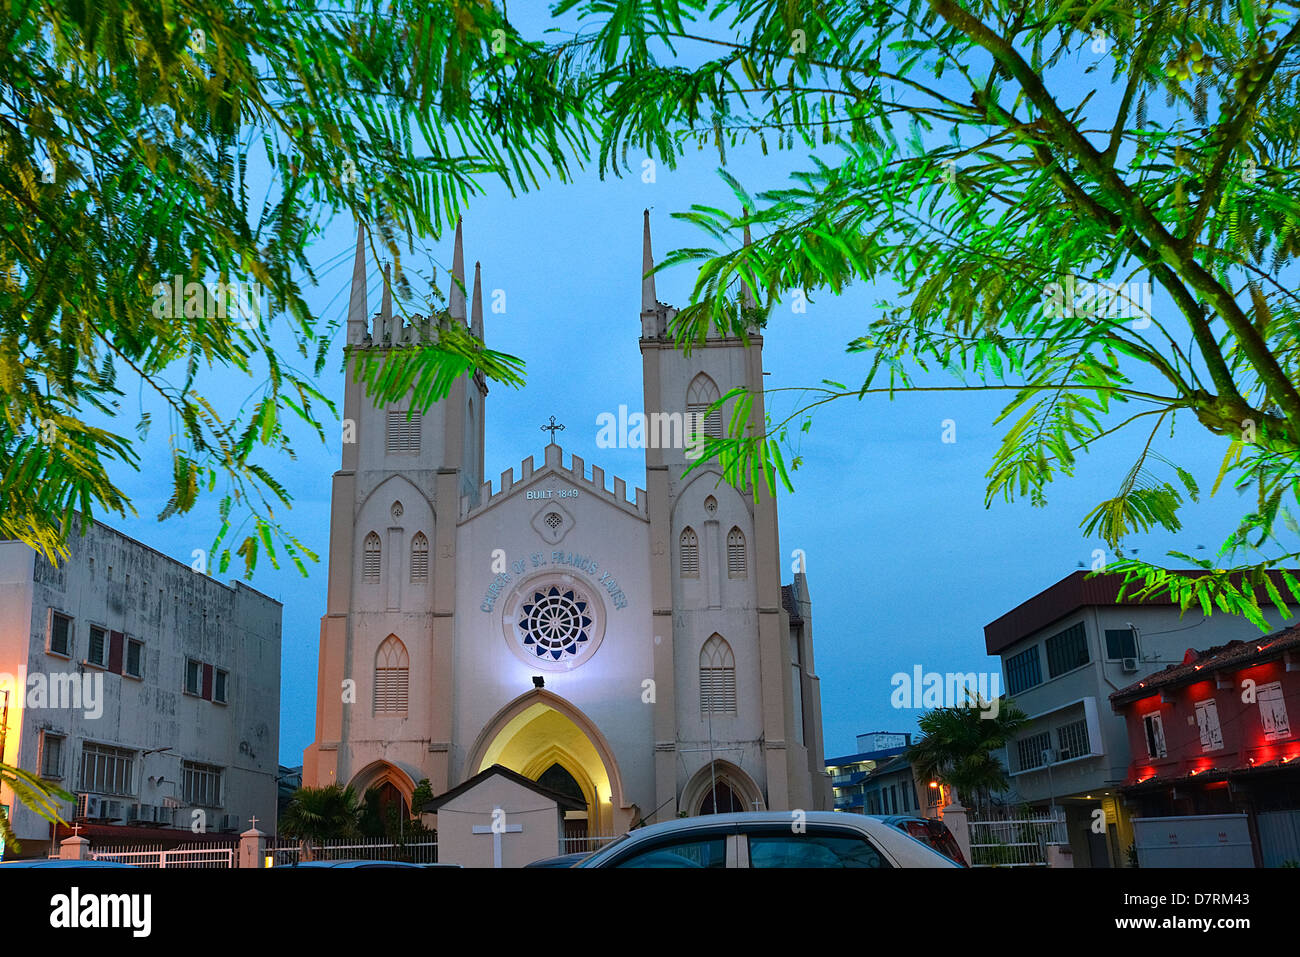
538,818
116,583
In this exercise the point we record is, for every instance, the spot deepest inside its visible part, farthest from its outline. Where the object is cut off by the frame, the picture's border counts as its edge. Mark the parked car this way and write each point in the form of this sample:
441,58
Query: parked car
769,839
59,862
929,831
369,865
561,860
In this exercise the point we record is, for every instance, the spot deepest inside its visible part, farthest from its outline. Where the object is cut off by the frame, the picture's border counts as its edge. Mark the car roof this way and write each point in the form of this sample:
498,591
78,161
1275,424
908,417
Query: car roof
753,817
62,862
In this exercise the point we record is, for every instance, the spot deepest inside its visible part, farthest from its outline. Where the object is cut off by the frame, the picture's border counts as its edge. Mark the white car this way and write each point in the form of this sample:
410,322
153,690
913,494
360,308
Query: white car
769,839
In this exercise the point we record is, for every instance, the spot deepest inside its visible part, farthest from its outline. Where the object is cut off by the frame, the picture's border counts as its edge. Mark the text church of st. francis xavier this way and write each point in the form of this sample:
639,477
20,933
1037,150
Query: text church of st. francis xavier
677,670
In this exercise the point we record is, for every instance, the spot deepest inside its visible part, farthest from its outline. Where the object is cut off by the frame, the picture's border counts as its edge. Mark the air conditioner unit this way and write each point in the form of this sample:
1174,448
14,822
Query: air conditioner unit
164,815
1128,666
1049,755
113,810
230,822
140,814
89,806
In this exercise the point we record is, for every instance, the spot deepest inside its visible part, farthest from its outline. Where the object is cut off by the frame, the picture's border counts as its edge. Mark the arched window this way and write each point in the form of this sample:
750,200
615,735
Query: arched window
392,677
736,567
702,393
717,677
721,799
419,559
690,553
370,559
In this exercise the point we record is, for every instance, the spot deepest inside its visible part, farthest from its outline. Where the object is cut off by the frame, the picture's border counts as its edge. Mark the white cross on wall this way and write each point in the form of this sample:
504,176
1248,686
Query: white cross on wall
496,834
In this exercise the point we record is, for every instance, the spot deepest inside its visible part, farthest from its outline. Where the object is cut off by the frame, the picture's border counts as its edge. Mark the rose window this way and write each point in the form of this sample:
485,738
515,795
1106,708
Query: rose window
555,622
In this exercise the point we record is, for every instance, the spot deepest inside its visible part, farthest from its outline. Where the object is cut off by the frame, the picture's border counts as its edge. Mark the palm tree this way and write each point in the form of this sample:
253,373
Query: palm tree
39,796
315,815
959,747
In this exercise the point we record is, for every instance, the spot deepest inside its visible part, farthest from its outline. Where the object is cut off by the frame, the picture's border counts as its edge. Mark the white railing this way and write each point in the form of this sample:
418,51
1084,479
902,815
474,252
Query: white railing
1016,842
212,857
585,845
286,852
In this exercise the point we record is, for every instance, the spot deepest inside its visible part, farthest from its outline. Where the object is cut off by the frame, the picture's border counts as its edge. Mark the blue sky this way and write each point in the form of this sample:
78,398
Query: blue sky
905,563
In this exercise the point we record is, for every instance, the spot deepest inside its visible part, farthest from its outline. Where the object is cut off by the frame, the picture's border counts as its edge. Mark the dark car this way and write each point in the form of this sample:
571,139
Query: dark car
931,832
368,865
59,862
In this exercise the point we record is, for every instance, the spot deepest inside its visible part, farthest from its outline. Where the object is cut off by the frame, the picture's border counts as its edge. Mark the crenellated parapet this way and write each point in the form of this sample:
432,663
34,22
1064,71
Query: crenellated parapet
575,474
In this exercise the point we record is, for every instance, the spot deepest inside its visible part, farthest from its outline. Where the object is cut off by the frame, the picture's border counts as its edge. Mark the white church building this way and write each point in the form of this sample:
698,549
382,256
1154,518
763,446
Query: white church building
639,653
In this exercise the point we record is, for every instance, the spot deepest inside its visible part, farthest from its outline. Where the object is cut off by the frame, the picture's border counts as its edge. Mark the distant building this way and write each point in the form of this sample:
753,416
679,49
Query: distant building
288,781
1219,734
1064,651
848,772
149,690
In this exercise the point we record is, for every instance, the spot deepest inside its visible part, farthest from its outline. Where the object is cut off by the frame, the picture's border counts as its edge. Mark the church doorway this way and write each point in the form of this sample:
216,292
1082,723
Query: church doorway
575,822
544,738
720,799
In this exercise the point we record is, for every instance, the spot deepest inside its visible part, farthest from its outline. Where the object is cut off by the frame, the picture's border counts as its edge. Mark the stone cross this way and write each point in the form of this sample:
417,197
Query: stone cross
496,834
253,821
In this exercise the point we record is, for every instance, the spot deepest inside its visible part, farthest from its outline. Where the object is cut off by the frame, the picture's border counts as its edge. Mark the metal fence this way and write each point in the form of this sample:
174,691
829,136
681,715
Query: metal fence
587,844
1015,842
156,856
286,852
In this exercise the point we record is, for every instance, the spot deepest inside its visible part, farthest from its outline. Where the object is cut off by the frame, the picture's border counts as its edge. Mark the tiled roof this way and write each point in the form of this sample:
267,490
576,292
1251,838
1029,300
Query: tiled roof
1197,666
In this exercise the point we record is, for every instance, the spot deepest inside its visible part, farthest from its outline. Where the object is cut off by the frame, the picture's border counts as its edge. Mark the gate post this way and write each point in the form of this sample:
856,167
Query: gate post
954,817
252,848
74,848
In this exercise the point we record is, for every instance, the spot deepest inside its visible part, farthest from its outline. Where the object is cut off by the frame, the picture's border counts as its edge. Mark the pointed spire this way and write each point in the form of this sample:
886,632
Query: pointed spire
386,324
357,301
476,307
648,298
746,294
456,302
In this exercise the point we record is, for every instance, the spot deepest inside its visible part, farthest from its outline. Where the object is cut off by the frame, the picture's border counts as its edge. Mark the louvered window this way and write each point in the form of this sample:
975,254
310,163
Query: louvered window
419,559
392,677
690,553
736,554
370,559
717,677
403,433
701,394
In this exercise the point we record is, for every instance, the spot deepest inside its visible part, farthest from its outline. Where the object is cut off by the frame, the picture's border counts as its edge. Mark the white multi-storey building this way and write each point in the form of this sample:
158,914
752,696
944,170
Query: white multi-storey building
147,689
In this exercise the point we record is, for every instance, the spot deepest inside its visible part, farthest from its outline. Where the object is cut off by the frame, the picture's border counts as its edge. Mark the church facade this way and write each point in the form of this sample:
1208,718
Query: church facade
637,651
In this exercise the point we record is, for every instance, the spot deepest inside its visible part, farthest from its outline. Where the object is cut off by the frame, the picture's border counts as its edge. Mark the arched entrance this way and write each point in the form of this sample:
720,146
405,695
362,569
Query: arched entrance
547,739
384,793
721,788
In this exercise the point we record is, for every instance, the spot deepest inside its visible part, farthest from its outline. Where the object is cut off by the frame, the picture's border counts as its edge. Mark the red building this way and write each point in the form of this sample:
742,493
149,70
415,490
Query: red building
1218,733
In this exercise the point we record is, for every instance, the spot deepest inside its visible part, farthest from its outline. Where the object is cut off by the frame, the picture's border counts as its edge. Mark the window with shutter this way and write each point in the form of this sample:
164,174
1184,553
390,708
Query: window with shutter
370,559
736,567
392,678
402,434
419,559
703,392
717,677
690,553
